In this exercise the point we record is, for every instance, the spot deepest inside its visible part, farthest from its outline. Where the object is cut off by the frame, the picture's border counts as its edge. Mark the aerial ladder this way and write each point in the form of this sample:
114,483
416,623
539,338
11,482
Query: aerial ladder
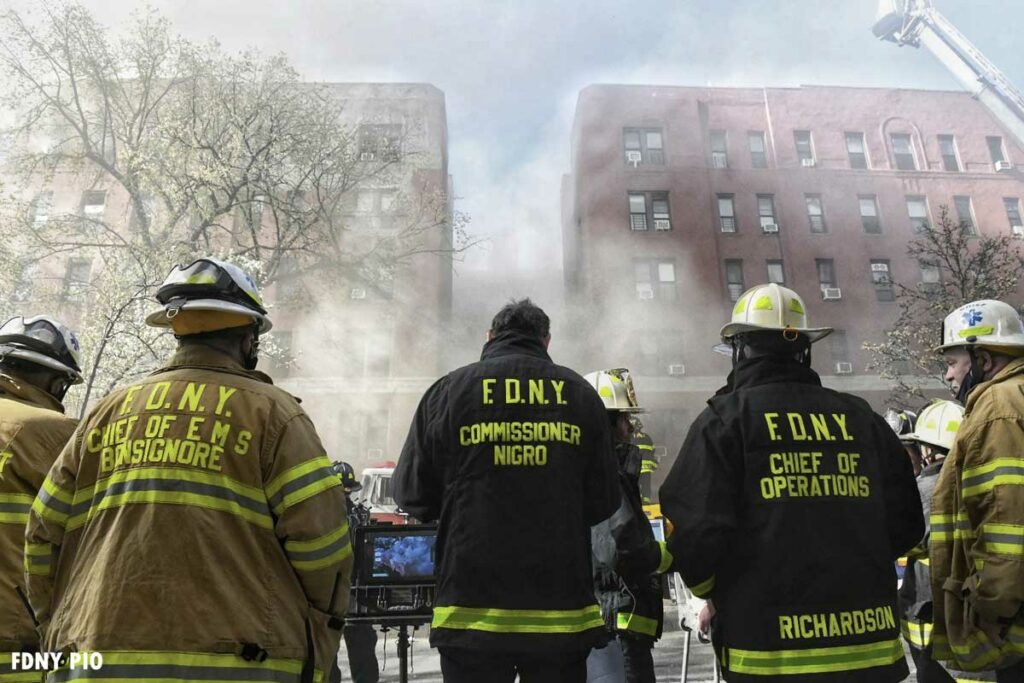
917,22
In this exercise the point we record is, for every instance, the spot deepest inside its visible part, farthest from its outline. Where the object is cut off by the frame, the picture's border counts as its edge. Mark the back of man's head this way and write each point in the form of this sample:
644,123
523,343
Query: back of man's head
522,316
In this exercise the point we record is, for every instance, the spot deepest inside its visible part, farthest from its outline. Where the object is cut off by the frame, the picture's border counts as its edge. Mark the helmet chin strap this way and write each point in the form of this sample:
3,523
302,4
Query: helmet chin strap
974,377
252,358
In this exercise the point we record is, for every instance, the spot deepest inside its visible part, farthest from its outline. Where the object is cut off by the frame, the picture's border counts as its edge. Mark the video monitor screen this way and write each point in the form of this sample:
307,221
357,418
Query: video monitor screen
399,555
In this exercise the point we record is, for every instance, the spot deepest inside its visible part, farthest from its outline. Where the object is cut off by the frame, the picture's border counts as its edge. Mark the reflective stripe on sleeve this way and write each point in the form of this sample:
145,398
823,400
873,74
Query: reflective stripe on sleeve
38,557
301,482
814,660
704,587
331,548
171,486
53,503
1003,539
634,622
917,633
978,652
999,472
14,507
948,527
517,620
666,558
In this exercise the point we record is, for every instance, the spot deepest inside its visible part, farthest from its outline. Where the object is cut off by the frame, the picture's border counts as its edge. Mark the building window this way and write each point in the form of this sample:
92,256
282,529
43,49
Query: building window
734,278
826,272
856,151
815,213
882,280
655,279
1012,205
995,148
719,151
41,206
76,279
776,273
649,209
94,203
917,211
947,148
758,155
869,213
840,349
965,212
643,146
727,212
380,142
930,273
804,150
766,212
903,152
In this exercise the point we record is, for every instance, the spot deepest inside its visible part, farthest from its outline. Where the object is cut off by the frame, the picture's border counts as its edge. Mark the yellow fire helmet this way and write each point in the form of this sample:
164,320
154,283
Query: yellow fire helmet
208,295
987,323
771,307
937,424
615,387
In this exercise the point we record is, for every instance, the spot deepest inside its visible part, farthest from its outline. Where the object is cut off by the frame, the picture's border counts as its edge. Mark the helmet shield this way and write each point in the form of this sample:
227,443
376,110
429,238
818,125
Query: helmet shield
44,341
209,278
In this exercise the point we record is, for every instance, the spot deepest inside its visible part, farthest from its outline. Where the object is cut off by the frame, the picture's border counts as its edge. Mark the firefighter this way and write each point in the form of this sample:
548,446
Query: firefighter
39,361
933,435
512,454
648,460
790,503
903,423
360,638
628,561
193,528
976,546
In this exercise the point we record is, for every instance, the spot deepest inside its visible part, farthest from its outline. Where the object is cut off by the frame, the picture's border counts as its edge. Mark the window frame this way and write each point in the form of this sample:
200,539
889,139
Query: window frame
915,225
884,289
649,156
94,214
781,263
1018,227
653,269
757,159
801,156
897,156
650,216
952,159
864,162
733,266
830,264
871,227
822,228
1001,150
970,220
719,157
722,219
773,215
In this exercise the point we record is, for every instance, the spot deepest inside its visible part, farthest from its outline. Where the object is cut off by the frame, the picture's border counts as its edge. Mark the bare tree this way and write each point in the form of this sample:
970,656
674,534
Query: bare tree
226,154
963,266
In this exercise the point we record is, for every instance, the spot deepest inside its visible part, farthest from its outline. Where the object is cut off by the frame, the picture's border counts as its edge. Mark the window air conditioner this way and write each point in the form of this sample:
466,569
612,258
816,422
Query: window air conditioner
644,291
1017,232
366,156
844,368
677,369
831,293
770,227
1004,166
807,162
374,453
662,224
879,268
358,293
634,158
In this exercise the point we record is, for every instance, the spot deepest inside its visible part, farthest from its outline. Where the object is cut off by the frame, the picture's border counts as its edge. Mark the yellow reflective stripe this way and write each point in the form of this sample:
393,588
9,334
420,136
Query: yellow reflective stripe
300,483
666,558
1003,539
172,667
917,633
320,552
999,472
636,623
977,651
950,527
38,558
646,467
704,587
645,446
940,648
496,620
814,660
53,503
174,486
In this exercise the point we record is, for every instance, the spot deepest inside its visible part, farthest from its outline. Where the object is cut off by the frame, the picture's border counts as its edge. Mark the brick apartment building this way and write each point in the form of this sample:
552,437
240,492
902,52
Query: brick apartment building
365,353
680,198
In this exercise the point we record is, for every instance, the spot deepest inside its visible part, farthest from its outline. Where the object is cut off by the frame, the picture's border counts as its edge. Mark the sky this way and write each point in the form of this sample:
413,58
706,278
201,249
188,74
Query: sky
511,72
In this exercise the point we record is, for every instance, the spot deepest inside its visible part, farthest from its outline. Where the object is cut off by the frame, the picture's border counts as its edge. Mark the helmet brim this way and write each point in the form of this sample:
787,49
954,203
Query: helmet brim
813,334
41,359
1019,346
159,318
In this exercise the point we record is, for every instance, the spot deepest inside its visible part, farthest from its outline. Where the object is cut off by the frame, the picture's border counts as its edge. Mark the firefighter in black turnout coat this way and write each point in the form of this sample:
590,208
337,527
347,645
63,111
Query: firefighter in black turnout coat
790,505
513,456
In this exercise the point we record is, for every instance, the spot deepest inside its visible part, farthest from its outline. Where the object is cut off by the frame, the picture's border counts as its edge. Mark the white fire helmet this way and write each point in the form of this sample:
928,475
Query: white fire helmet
44,341
986,323
771,307
615,387
937,424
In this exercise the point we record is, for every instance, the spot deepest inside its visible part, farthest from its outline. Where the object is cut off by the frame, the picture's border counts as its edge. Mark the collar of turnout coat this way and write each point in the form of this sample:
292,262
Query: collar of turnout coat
514,344
208,358
1016,367
27,393
752,372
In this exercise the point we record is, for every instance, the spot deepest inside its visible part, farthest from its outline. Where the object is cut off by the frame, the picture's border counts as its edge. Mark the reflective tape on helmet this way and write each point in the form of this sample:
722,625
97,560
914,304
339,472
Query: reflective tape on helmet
495,620
628,621
814,660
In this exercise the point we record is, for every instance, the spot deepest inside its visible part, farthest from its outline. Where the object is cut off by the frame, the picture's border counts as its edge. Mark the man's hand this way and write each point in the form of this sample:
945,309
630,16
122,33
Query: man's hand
704,619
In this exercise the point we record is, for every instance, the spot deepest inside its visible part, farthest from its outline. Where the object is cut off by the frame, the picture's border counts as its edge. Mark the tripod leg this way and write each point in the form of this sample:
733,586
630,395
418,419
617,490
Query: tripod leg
403,654
686,657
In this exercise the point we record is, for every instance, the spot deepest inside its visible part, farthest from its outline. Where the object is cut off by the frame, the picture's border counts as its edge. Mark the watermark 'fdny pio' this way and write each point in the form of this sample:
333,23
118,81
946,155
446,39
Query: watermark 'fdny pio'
51,661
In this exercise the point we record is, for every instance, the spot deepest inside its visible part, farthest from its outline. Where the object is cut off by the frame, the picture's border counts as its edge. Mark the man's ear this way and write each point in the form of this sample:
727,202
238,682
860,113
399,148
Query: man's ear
547,341
490,335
